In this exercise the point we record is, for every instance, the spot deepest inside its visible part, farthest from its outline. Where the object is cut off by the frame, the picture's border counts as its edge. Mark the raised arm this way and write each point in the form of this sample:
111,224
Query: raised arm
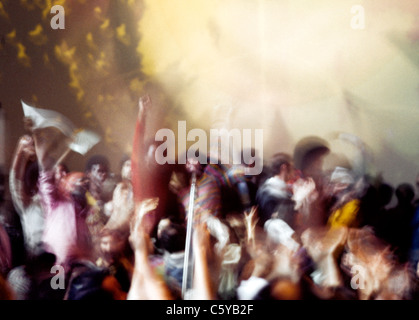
43,142
48,144
203,288
146,284
138,149
24,155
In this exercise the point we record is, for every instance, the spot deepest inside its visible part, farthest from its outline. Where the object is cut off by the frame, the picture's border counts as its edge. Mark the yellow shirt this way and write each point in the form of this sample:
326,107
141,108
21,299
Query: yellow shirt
345,216
95,219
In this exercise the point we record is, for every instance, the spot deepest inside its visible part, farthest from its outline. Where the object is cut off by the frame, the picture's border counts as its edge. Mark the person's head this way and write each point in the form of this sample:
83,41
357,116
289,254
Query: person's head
193,165
312,162
73,184
282,166
340,179
90,284
60,171
112,243
97,169
41,262
309,155
405,193
171,236
384,193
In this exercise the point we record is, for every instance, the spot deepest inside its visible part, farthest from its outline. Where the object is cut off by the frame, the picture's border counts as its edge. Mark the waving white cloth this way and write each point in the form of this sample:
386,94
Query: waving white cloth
43,118
81,140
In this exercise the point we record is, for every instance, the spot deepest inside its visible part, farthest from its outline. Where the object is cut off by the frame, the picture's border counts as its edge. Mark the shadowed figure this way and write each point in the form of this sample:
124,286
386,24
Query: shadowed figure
397,229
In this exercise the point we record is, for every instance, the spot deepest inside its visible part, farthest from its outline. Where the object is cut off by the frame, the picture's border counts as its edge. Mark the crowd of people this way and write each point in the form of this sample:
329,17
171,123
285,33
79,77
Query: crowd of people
201,230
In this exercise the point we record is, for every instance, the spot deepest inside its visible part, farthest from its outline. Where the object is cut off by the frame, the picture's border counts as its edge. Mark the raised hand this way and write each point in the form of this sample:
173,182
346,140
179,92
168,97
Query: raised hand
250,222
304,190
144,104
26,147
148,205
203,288
193,166
145,283
201,237
144,220
177,183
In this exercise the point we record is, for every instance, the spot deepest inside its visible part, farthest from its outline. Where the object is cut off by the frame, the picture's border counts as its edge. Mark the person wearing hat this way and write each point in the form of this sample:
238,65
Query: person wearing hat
345,210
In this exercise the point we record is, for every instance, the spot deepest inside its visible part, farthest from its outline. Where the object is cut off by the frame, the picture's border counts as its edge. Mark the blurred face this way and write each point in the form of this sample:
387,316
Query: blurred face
164,223
338,188
193,165
27,145
98,174
59,173
73,183
291,174
81,185
110,246
106,244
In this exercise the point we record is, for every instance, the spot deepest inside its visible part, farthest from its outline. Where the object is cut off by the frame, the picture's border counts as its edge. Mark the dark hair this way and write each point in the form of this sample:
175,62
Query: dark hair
65,167
385,193
42,261
97,159
278,160
88,286
173,237
405,193
312,156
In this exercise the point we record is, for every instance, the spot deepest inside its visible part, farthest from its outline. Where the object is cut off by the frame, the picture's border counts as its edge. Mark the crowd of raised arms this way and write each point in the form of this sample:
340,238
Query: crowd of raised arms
295,231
